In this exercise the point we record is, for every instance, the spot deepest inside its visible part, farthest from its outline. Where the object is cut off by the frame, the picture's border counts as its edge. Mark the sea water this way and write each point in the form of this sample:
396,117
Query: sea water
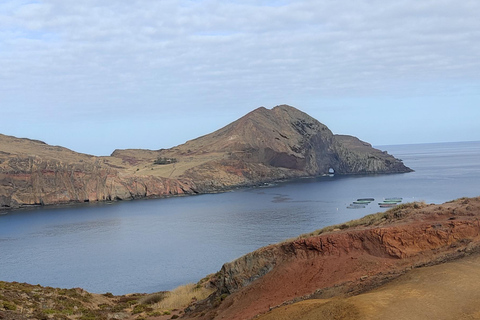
155,245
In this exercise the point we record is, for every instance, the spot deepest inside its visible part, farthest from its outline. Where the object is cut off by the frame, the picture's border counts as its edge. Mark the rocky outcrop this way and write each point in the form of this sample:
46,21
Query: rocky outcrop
344,259
357,156
58,183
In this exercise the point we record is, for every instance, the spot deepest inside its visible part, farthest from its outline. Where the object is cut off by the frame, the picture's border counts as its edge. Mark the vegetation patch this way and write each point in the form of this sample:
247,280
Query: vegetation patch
164,160
153,298
7,305
25,301
183,296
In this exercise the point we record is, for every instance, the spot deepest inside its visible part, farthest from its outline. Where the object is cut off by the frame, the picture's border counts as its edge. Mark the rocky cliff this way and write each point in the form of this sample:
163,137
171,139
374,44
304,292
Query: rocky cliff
34,173
360,157
262,146
344,259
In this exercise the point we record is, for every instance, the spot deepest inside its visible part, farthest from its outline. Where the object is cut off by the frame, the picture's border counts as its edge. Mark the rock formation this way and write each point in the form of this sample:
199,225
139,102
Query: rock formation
34,173
263,146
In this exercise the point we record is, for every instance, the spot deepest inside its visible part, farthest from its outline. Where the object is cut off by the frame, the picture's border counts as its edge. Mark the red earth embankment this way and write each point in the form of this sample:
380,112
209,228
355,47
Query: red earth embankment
344,260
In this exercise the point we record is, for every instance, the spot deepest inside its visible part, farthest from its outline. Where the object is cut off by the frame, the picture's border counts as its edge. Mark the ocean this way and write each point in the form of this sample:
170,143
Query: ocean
154,245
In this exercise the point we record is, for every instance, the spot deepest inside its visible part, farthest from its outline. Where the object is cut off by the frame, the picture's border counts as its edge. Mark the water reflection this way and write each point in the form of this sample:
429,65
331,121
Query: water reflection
79,227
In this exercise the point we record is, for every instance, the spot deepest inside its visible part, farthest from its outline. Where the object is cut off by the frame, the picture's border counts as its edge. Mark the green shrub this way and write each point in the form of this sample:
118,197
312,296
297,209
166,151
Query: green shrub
223,296
153,298
139,308
9,306
49,311
155,314
164,160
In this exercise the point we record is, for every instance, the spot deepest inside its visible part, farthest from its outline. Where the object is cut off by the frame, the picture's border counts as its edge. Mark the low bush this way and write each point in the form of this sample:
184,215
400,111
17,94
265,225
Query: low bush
153,298
164,160
183,296
8,305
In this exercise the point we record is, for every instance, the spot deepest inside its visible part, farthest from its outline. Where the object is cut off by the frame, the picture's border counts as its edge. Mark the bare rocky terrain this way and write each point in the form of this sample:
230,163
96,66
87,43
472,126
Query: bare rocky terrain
263,146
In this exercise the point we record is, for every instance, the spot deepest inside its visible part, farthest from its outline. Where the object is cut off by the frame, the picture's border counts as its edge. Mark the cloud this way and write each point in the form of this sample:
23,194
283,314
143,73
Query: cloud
111,57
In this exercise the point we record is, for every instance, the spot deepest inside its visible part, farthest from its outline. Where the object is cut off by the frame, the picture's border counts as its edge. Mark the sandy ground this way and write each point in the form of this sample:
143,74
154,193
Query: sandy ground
447,291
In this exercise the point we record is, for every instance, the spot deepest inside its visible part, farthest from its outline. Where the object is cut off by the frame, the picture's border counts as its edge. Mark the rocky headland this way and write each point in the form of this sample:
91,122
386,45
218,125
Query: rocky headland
263,146
414,261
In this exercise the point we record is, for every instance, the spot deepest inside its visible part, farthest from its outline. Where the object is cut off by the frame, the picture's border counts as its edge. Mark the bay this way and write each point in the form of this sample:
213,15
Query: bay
155,245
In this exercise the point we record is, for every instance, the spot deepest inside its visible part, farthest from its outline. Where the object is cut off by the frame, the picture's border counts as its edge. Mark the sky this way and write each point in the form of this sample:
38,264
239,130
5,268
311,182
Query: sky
100,75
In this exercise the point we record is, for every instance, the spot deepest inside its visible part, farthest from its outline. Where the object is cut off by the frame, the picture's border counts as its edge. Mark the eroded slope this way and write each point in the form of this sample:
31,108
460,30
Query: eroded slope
34,173
344,259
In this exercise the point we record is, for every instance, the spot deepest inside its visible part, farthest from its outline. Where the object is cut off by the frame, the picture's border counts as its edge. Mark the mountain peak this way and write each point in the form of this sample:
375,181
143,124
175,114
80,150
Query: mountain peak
285,137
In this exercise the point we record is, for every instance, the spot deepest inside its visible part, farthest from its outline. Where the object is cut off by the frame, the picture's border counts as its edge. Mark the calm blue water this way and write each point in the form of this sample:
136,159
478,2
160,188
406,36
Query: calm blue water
154,245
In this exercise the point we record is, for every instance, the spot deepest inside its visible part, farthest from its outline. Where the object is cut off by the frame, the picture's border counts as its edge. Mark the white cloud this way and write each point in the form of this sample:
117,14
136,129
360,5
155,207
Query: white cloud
95,57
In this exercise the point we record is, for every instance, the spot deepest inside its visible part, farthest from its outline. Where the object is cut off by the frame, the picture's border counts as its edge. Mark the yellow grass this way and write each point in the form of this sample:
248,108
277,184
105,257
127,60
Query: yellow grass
182,296
174,170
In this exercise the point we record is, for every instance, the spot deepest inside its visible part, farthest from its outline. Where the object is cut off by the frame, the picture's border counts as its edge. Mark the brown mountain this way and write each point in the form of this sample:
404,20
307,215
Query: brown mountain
263,146
267,145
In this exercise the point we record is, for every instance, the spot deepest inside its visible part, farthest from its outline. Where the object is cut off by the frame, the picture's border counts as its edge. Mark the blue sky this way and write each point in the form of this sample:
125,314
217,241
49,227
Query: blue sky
95,75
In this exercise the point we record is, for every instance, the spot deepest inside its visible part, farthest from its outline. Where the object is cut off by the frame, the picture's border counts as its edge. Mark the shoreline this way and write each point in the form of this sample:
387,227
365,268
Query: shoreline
263,184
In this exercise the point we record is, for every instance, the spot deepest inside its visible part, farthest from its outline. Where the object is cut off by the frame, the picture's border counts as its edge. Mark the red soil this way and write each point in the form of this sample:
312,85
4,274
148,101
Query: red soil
348,261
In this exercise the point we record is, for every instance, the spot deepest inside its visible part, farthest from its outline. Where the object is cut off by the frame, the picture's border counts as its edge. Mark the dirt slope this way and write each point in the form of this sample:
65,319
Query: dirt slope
444,292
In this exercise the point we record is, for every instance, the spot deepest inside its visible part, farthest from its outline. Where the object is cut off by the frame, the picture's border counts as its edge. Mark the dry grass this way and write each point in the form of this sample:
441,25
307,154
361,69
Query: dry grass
153,298
174,170
183,296
25,301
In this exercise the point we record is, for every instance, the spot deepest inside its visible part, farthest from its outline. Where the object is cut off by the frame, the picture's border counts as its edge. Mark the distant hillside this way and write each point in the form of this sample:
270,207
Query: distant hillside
262,146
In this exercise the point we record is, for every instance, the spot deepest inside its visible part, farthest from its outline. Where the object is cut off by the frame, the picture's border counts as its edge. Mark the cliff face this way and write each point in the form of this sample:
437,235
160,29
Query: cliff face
344,259
357,156
262,146
54,175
